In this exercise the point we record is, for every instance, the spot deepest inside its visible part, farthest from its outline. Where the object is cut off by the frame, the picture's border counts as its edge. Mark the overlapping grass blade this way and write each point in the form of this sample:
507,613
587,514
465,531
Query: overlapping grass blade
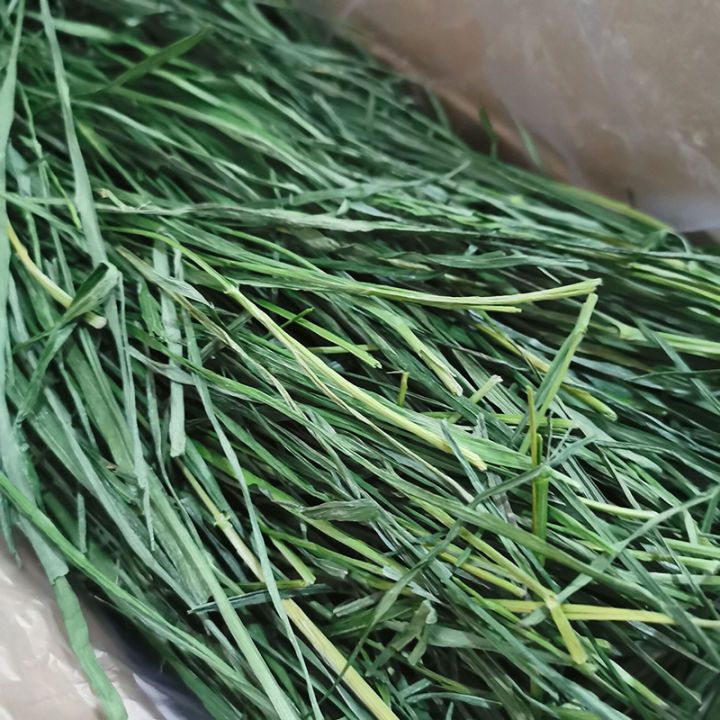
346,418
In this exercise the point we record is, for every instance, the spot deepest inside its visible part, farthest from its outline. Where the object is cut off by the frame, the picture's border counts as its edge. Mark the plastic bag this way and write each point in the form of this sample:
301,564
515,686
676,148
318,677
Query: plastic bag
616,96
40,676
